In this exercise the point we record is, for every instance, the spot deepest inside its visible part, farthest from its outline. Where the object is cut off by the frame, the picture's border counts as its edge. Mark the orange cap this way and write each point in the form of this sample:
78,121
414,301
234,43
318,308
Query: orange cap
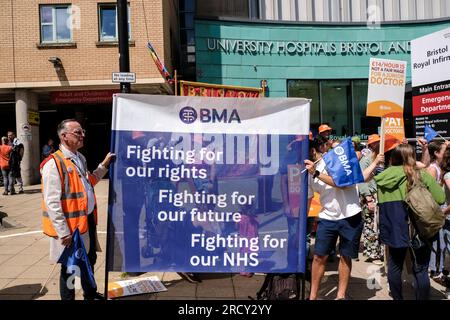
324,127
373,138
390,143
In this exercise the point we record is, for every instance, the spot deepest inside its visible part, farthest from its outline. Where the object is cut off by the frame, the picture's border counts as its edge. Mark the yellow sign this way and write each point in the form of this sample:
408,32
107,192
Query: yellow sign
33,117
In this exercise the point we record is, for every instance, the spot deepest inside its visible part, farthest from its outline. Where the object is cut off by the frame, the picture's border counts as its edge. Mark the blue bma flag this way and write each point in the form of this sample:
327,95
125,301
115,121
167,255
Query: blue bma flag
429,133
343,165
75,258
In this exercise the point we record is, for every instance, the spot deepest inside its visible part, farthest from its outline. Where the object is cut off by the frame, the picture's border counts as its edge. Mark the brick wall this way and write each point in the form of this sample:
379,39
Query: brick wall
87,61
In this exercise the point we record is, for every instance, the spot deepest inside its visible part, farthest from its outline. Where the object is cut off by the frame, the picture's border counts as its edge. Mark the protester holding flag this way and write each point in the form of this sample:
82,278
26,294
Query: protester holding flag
341,212
392,185
69,202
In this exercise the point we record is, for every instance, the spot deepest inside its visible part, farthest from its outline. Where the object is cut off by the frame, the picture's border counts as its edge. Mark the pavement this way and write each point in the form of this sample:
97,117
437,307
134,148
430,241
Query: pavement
25,266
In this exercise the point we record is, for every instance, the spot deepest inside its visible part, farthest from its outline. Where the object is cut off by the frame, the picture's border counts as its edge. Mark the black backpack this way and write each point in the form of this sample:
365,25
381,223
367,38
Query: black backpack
14,157
280,286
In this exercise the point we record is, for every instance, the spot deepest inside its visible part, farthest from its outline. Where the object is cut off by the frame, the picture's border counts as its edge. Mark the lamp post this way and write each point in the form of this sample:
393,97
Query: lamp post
124,57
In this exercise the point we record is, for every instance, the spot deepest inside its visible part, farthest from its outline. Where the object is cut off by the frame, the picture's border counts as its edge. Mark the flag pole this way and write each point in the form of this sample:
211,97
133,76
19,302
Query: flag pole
50,274
313,163
442,137
382,134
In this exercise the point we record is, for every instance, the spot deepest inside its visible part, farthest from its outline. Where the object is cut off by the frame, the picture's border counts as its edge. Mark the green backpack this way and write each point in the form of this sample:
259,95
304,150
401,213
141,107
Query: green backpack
426,215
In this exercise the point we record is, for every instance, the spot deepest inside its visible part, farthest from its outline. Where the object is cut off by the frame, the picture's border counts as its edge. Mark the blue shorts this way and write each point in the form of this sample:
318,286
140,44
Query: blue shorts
349,231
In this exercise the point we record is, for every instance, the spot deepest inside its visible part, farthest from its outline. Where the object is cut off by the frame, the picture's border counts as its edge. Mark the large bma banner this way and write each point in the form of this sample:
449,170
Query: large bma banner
201,184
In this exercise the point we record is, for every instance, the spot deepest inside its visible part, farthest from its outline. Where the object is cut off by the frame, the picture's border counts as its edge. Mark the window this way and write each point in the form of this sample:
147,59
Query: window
108,22
339,103
307,89
56,23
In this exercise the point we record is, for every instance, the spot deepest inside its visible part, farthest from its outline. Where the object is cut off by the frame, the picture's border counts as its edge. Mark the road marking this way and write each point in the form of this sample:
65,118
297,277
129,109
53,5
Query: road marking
19,234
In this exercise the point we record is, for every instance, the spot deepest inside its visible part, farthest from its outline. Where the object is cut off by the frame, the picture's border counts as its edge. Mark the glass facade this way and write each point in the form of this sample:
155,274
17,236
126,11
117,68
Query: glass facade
339,103
187,38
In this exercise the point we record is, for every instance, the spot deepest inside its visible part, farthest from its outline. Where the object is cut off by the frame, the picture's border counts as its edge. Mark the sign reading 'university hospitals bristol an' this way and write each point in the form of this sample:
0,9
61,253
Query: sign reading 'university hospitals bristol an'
179,201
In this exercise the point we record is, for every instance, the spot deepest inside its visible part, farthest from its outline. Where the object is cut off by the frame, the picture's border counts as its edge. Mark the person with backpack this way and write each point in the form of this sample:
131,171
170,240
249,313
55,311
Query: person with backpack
436,150
393,186
14,161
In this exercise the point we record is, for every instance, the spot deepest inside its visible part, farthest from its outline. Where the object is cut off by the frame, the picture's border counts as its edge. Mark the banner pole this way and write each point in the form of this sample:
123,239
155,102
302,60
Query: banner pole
382,134
109,234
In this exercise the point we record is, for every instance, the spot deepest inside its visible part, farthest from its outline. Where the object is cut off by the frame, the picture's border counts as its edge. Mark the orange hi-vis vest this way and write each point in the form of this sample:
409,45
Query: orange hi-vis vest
74,200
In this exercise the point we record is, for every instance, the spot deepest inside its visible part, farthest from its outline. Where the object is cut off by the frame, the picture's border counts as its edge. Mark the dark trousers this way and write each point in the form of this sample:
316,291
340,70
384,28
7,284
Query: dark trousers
66,279
420,271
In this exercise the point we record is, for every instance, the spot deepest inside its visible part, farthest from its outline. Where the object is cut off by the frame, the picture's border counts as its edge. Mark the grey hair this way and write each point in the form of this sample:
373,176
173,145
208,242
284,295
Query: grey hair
62,126
4,139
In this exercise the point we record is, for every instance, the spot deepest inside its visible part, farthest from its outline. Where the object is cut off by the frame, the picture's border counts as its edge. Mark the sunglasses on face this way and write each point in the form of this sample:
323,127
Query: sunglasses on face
78,132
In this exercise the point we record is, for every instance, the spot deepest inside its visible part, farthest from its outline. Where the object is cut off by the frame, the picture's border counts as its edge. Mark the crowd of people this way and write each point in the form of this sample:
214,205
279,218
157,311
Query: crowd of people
374,212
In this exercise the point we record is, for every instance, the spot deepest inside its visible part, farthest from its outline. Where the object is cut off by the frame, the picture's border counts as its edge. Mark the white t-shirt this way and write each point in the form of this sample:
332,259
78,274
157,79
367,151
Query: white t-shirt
337,203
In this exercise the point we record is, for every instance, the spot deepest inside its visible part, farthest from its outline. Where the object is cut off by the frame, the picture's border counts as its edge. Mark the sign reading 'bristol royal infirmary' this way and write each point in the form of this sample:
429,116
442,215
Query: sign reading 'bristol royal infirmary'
430,72
386,91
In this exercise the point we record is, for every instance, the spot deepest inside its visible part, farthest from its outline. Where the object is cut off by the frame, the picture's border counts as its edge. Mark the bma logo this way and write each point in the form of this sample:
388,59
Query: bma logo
188,115
79,254
340,152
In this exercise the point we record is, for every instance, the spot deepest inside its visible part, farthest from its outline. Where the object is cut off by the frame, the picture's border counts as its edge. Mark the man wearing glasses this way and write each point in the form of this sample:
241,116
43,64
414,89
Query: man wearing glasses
69,201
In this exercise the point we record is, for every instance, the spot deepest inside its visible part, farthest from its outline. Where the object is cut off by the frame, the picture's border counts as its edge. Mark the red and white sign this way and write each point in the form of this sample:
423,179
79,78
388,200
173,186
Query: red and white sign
82,97
433,103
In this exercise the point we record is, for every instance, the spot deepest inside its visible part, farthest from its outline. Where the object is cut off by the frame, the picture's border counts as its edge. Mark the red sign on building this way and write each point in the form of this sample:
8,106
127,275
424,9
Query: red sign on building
191,89
82,97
